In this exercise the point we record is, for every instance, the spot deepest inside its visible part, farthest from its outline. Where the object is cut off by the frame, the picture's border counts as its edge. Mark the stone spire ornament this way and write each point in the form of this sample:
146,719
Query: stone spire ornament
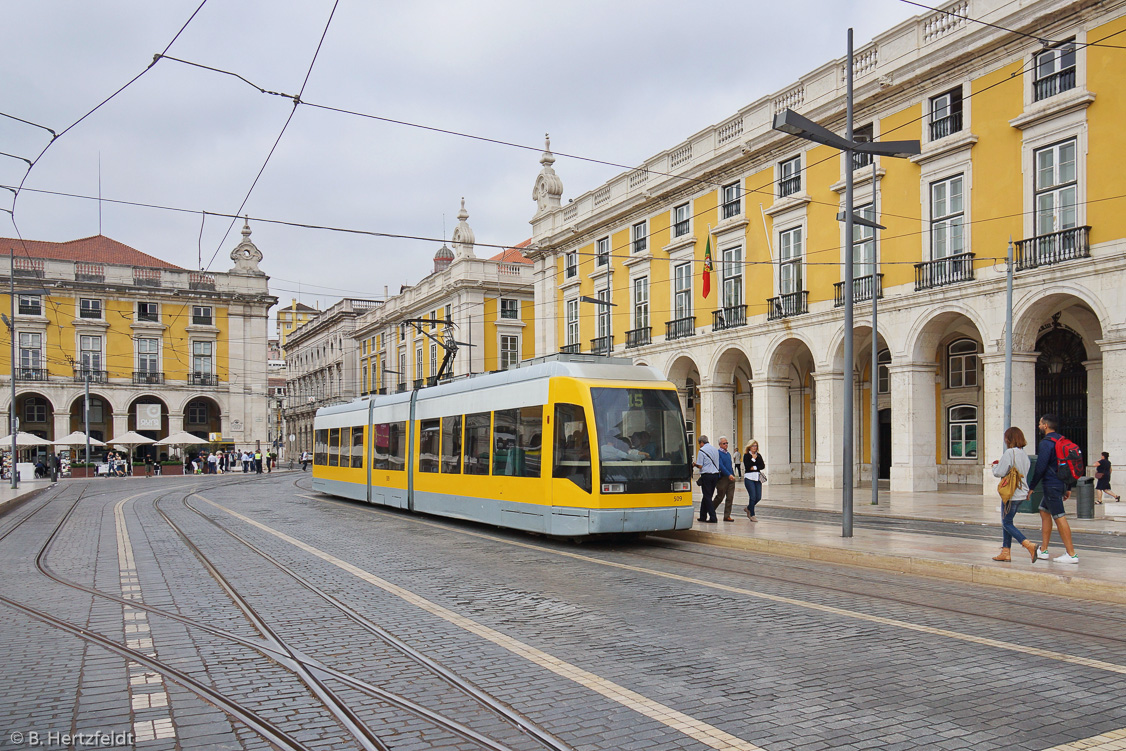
548,188
246,254
442,259
463,238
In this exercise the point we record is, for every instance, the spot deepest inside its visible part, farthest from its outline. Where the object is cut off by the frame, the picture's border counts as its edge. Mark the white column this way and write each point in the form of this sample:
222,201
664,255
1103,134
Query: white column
62,424
1113,408
1094,411
913,433
772,426
716,411
120,424
175,422
991,438
830,424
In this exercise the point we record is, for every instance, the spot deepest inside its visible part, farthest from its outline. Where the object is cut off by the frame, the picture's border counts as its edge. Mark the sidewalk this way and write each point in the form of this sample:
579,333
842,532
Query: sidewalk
1100,574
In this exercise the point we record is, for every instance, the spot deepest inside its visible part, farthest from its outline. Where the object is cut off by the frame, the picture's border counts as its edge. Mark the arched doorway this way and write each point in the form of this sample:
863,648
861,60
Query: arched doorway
101,417
1061,381
684,373
732,374
202,416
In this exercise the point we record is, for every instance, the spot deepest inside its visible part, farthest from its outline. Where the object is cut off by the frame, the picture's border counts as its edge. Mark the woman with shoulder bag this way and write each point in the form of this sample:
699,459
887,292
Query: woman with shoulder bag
753,477
1012,468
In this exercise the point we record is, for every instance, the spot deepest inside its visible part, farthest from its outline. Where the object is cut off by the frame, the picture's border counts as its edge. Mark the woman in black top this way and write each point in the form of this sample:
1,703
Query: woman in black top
1102,479
753,464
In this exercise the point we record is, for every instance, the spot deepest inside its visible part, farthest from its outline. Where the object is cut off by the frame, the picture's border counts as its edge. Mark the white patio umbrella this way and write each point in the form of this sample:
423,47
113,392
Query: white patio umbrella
77,438
23,440
130,439
181,439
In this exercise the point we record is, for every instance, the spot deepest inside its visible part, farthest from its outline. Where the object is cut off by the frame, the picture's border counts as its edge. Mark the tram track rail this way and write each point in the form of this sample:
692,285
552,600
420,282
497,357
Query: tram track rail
313,674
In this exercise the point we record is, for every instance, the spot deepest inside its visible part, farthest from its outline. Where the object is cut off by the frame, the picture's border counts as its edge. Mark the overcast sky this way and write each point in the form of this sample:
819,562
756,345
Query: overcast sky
617,81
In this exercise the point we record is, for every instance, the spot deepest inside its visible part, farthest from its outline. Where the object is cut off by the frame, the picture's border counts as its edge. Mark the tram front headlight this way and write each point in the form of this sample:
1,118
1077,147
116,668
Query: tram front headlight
613,487
681,486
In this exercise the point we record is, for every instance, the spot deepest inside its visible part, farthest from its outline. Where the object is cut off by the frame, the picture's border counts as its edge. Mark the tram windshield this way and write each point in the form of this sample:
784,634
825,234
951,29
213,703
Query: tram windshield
640,435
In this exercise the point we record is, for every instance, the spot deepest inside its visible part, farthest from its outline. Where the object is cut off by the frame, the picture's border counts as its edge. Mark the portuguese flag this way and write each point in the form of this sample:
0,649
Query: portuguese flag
708,267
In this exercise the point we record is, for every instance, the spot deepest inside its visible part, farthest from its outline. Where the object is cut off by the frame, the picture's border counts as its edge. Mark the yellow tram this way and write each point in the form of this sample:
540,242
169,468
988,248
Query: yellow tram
568,445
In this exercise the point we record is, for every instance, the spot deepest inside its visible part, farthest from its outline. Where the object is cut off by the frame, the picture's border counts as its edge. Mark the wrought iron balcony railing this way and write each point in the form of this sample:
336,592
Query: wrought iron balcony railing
945,126
1054,84
571,349
147,378
789,186
639,337
1050,249
31,374
732,208
602,345
96,376
862,289
680,228
731,317
202,379
785,306
679,328
943,271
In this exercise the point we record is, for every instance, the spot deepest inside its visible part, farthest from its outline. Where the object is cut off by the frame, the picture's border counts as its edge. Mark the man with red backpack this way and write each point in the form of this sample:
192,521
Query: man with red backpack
1059,464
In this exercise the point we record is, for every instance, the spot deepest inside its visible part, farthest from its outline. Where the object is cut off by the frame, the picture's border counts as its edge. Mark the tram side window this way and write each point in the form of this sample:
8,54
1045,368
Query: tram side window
320,448
334,447
572,445
380,446
517,442
397,443
451,445
477,444
357,447
429,435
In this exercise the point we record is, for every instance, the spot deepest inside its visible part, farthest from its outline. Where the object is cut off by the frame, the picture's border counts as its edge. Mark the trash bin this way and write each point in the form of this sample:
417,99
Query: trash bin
1031,505
1085,498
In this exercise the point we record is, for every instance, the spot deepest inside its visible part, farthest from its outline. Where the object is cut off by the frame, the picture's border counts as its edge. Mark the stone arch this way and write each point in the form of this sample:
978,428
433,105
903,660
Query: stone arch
931,326
730,381
36,413
685,375
783,351
101,415
1078,308
862,344
202,415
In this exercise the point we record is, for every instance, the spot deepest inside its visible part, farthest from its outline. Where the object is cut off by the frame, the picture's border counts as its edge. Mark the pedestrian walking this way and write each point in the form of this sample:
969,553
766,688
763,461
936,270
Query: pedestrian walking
707,461
753,477
725,487
245,462
1055,492
148,465
304,461
1012,467
1102,480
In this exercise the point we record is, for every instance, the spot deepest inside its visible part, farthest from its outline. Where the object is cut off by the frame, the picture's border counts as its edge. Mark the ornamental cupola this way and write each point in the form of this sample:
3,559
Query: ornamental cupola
443,258
548,188
463,238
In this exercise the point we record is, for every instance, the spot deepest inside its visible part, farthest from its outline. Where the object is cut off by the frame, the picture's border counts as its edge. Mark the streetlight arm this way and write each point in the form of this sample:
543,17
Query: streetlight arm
897,149
791,122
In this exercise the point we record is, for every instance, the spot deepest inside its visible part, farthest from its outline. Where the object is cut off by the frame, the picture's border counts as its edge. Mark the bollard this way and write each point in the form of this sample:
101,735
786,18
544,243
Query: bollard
1085,498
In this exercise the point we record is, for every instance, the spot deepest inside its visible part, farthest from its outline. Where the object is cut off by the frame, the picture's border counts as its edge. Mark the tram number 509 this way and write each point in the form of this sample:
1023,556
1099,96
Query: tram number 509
678,499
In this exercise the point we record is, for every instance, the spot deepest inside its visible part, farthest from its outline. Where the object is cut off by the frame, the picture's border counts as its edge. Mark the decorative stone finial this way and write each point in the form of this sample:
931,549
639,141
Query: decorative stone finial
548,188
246,255
463,238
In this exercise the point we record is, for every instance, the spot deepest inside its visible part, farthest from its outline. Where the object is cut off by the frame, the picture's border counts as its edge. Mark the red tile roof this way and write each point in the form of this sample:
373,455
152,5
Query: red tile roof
513,254
96,249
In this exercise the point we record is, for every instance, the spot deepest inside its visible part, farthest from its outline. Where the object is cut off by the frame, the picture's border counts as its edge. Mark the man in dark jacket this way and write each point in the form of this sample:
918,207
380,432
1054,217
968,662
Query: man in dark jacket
1055,492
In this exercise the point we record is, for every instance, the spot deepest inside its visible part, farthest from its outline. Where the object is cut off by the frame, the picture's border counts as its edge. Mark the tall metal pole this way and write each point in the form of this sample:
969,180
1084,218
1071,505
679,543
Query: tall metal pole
846,441
1009,341
86,418
12,331
873,418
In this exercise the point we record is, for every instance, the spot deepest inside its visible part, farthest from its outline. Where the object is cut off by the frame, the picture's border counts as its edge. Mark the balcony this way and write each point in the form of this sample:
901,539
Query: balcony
1048,250
31,374
862,288
679,328
731,317
29,308
679,229
602,345
96,376
860,160
789,185
1054,84
401,387
418,383
945,126
571,349
785,306
202,379
943,271
147,378
639,337
732,208
204,320
640,244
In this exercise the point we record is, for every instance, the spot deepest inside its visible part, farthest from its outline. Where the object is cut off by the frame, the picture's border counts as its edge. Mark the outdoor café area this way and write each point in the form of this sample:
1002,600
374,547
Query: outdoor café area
128,454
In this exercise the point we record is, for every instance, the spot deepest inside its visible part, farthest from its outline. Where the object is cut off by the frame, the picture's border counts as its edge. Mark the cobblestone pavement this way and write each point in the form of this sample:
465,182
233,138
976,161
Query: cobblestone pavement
203,613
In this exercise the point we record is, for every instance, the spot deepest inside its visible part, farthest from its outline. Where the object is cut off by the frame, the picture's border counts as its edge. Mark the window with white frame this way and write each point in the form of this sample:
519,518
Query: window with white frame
639,237
602,251
1054,71
449,313
202,362
732,276
682,290
946,113
863,134
641,302
90,352
148,355
1057,190
571,264
572,332
883,374
732,200
863,243
604,313
30,305
202,315
509,308
418,363
509,351
681,220
364,379
961,364
148,311
789,176
947,217
433,359
961,430
90,308
789,261
402,367
31,350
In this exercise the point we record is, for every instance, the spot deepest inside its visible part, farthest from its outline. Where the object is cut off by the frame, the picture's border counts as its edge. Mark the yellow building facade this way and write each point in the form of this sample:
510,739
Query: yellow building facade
1018,139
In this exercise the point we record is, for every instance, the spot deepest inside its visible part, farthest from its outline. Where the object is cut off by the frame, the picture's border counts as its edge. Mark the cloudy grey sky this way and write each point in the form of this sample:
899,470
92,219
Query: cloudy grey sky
616,80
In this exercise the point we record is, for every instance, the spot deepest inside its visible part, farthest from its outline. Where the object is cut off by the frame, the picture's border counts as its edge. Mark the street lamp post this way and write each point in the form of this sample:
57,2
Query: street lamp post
791,122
